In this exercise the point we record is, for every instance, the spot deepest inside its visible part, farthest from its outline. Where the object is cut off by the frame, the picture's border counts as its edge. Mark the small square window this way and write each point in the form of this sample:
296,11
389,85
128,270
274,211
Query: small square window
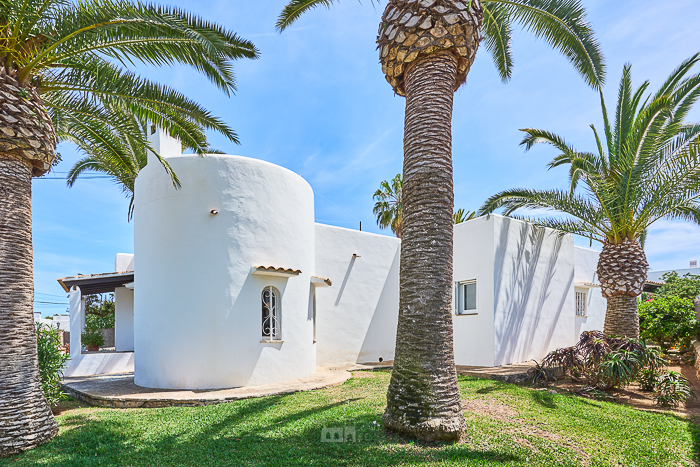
466,303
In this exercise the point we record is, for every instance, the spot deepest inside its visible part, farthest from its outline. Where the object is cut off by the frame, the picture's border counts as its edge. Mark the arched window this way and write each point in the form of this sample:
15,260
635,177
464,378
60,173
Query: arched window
271,329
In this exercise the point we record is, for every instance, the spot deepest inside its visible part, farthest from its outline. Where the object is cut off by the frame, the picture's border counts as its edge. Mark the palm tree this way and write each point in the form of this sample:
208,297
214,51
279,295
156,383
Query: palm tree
388,208
646,169
461,215
110,152
426,49
65,58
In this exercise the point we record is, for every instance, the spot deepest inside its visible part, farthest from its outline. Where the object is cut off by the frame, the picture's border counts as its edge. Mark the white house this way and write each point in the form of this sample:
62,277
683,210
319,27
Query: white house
232,283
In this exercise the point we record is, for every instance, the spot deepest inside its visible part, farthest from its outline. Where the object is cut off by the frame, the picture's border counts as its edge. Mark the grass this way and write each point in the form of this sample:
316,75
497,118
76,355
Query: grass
506,425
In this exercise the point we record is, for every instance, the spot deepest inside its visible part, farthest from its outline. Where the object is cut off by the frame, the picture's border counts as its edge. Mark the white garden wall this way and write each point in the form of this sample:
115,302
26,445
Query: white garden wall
197,315
357,316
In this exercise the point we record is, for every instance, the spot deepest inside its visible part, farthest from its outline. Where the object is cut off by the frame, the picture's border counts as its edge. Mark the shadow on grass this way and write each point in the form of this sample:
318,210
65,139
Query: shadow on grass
256,432
496,386
544,398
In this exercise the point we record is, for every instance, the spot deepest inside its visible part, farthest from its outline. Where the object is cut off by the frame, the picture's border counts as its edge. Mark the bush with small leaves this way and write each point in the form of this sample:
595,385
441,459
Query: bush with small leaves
672,389
51,361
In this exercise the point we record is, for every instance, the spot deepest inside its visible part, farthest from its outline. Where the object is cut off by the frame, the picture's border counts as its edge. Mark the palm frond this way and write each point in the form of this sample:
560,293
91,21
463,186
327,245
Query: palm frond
498,33
295,8
563,25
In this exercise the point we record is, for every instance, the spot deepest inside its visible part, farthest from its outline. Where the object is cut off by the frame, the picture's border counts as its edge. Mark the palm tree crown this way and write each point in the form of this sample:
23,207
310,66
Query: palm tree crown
646,169
561,23
73,54
388,208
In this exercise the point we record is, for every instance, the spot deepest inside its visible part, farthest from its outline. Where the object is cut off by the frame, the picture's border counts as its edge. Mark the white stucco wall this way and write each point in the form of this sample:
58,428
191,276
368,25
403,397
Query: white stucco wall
533,291
473,259
658,276
123,319
124,262
197,315
586,263
357,316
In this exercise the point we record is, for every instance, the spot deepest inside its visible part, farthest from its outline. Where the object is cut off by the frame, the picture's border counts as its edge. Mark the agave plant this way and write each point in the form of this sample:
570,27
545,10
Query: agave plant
646,168
672,389
63,60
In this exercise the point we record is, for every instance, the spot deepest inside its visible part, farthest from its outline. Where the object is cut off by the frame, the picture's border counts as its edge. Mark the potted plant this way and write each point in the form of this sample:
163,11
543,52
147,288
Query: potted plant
92,339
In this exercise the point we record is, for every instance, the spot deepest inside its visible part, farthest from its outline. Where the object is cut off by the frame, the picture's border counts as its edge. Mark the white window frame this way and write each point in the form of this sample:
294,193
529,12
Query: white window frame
460,297
274,314
581,298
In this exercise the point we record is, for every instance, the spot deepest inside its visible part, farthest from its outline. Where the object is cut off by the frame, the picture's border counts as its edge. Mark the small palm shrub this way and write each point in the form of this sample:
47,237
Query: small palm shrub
672,389
603,363
51,361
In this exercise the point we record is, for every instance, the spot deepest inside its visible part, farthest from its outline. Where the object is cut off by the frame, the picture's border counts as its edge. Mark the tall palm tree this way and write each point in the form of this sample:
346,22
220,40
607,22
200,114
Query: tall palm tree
426,49
647,168
388,207
461,215
60,57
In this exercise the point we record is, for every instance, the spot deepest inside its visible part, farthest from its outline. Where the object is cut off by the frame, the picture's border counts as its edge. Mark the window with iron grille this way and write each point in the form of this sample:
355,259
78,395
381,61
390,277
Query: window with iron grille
581,304
271,329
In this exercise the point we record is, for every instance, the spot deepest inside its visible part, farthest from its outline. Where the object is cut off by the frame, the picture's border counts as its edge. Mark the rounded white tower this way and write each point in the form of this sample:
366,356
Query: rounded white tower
222,274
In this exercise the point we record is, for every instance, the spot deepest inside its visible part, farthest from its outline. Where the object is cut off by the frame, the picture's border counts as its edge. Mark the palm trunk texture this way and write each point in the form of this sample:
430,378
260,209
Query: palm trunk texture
25,417
622,271
423,398
27,144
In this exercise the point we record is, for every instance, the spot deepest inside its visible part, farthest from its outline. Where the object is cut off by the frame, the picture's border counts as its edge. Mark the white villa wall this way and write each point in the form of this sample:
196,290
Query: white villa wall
124,262
357,316
123,319
197,312
586,263
473,259
533,290
658,276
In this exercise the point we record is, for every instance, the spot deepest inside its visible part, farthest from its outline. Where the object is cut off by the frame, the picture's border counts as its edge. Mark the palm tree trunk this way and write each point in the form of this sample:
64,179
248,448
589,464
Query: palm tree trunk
25,417
622,271
423,398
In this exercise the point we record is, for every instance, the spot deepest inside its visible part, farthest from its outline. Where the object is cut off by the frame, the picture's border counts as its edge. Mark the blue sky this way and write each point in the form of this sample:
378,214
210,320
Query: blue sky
317,103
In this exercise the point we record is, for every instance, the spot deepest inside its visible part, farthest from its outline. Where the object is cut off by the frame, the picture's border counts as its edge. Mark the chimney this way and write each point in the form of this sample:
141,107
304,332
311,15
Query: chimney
693,263
164,144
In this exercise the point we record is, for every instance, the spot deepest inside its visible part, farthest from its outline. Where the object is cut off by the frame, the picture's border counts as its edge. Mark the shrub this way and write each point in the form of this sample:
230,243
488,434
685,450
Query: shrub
619,368
51,361
604,362
92,337
99,311
668,320
687,287
539,375
672,389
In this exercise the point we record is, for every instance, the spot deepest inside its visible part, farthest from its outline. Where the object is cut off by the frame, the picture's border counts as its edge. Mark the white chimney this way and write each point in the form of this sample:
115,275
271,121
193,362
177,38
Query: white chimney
164,144
693,263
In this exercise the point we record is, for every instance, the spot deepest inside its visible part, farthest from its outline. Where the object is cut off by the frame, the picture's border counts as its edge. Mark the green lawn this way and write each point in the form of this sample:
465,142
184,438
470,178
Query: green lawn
507,425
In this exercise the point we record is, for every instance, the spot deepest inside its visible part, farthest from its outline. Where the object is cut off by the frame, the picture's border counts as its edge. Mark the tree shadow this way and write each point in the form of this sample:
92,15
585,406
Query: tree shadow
544,398
254,432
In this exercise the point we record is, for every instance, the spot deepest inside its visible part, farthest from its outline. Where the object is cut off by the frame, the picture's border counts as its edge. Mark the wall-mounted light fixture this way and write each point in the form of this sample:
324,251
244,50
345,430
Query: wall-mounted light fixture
214,212
355,255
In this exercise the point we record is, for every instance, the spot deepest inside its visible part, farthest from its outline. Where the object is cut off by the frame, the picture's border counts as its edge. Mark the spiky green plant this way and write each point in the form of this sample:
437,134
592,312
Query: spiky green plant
461,215
646,168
